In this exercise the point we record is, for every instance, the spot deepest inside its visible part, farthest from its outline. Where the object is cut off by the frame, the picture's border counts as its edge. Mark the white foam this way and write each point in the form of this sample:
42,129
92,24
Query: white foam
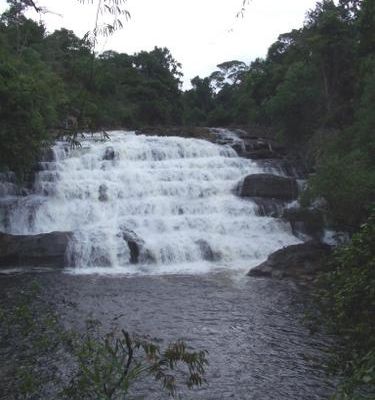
172,192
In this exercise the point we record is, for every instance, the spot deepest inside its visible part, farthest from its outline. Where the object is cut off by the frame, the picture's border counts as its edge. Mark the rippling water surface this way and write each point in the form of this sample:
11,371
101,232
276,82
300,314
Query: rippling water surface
258,347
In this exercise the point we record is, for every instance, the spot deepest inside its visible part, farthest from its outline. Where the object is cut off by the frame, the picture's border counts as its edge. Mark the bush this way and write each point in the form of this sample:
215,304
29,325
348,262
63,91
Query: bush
346,299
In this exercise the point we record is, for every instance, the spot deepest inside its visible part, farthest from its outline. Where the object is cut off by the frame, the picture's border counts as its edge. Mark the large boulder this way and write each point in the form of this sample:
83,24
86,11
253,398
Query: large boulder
270,186
43,250
299,261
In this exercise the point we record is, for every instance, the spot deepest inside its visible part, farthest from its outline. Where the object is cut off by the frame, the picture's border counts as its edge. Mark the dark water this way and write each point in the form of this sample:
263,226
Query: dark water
258,347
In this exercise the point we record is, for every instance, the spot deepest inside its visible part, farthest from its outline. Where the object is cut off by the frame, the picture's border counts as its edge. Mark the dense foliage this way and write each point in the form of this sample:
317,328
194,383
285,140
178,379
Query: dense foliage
346,299
49,82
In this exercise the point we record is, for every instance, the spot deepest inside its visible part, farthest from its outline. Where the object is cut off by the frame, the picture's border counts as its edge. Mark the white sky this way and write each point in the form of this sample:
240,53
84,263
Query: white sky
199,33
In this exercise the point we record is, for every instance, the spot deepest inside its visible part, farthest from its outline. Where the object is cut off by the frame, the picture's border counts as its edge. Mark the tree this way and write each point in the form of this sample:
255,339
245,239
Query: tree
198,102
296,103
229,72
109,366
331,45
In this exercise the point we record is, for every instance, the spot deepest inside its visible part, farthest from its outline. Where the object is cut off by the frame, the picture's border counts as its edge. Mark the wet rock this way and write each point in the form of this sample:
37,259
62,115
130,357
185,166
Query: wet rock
47,155
270,186
109,154
292,168
43,250
8,189
306,221
261,154
180,131
6,206
138,252
299,261
268,207
238,148
206,251
103,193
258,148
8,177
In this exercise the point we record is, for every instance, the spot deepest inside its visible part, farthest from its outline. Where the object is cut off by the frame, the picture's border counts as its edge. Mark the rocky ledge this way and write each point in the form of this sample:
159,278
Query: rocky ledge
299,261
43,250
269,186
179,131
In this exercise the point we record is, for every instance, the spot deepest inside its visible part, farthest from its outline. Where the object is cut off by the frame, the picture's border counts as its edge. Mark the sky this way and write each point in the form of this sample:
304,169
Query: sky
199,33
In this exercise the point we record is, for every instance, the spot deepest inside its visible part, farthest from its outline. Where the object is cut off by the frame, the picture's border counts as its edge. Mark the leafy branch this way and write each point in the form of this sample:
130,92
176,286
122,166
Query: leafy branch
108,366
116,9
241,12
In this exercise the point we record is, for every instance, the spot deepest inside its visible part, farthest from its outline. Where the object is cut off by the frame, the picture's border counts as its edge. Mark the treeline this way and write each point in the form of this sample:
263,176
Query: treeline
49,82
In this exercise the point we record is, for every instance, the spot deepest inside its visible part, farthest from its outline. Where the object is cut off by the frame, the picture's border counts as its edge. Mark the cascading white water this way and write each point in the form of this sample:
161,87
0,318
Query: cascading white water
173,196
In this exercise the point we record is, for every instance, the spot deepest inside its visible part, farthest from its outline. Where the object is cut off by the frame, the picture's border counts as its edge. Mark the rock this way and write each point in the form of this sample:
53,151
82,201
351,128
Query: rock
292,168
238,148
180,131
48,155
268,207
271,186
299,261
134,243
261,154
103,193
207,253
306,221
6,206
109,154
138,252
258,148
43,250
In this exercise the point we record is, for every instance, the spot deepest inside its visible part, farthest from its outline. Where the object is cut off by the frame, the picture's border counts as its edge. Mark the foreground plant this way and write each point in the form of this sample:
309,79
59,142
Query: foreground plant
107,367
44,360
346,299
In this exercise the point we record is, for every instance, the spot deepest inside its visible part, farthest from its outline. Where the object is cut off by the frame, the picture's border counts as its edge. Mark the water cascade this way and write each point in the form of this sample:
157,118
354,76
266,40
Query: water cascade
148,204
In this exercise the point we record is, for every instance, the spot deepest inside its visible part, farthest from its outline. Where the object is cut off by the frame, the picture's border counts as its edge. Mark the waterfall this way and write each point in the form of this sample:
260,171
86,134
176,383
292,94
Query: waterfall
172,199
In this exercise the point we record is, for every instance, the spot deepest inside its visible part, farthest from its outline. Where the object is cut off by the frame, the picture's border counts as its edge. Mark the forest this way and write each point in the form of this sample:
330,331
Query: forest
314,92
